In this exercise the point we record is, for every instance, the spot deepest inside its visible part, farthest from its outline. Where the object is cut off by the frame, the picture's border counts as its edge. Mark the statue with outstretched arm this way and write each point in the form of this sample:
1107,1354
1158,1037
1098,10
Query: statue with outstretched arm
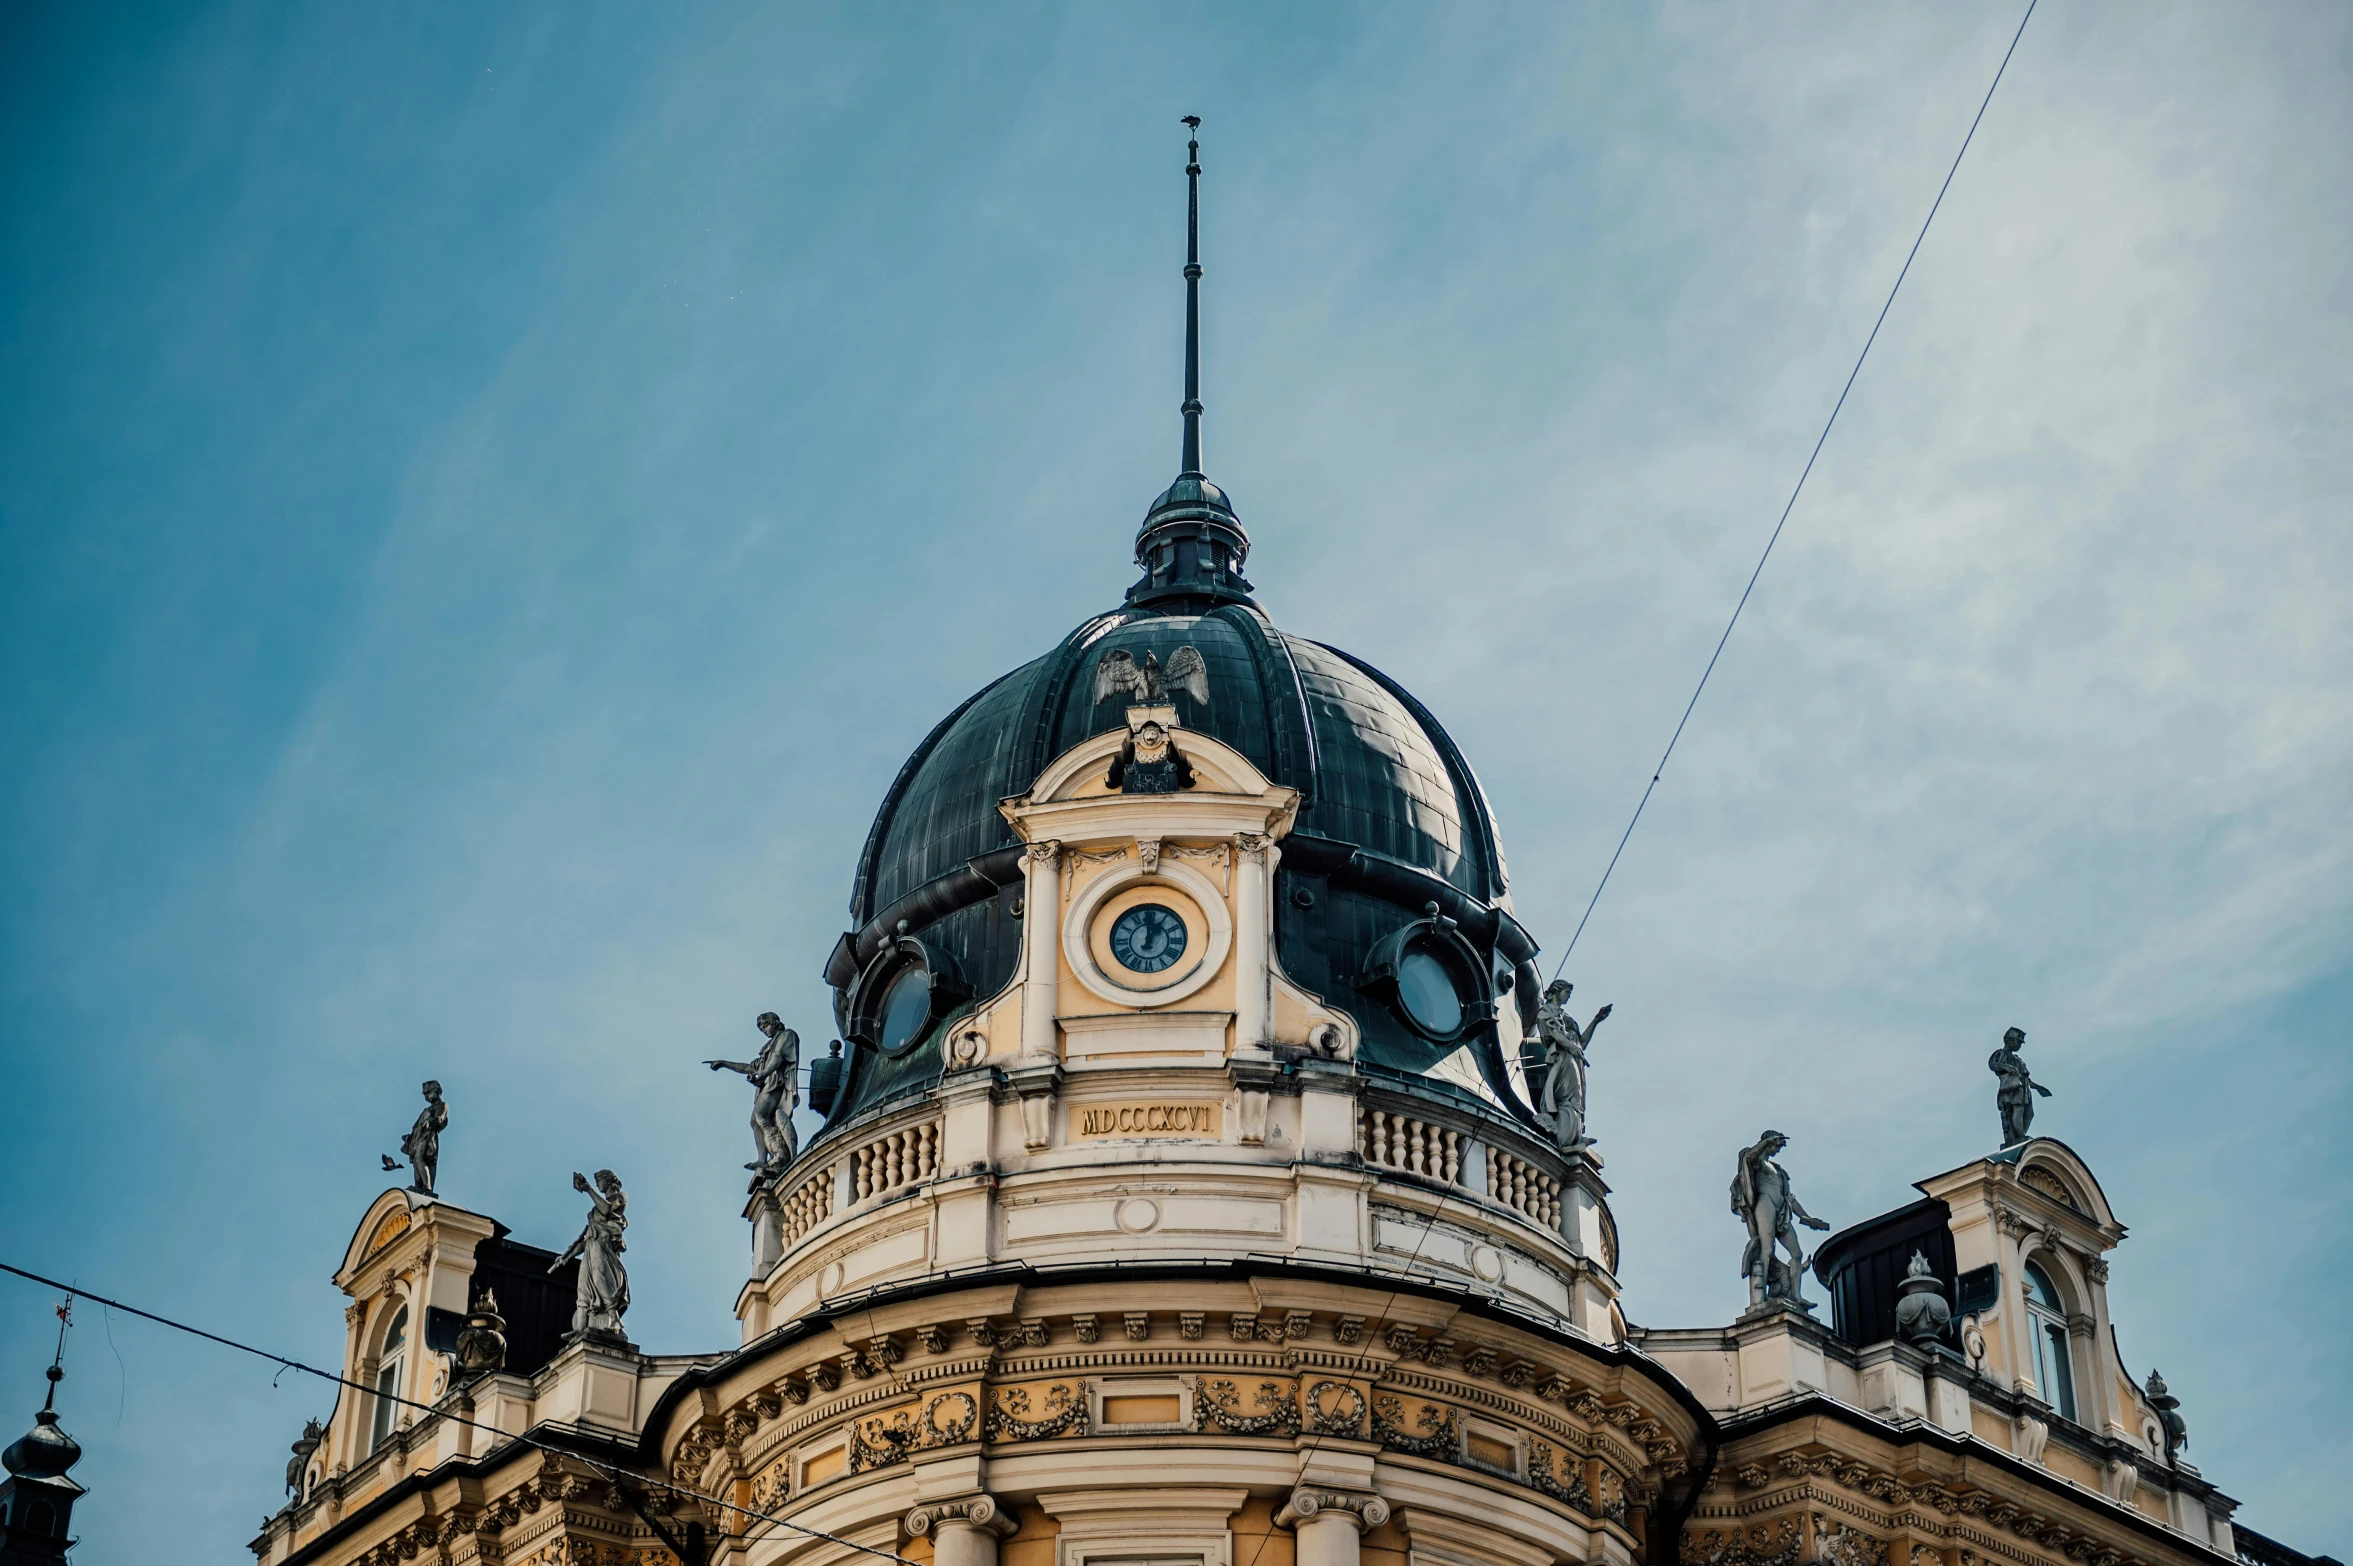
775,1077
1562,1097
603,1295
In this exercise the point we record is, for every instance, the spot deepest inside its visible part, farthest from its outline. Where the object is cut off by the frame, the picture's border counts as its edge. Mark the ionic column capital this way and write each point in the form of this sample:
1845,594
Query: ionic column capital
1364,1511
974,1511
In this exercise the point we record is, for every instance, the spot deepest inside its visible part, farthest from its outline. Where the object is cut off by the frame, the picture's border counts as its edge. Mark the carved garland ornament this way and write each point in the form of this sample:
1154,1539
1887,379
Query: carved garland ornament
1950,1503
1847,1547
1441,1433
1219,1403
1328,1407
879,1442
959,1424
1342,1414
1764,1544
1065,1413
1572,1493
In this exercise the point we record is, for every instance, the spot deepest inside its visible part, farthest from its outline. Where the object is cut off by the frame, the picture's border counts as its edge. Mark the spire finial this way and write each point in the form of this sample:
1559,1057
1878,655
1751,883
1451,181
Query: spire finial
1191,545
65,1319
1192,462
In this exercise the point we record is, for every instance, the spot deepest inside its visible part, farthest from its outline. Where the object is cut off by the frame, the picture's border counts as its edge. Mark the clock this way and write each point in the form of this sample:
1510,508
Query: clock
1148,938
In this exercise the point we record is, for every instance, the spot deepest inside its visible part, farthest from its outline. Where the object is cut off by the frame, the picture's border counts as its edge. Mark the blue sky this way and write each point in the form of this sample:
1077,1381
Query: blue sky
489,495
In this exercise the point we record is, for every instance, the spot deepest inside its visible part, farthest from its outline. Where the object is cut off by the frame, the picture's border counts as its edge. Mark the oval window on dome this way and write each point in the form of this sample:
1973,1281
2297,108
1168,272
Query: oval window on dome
1148,938
906,1008
1425,988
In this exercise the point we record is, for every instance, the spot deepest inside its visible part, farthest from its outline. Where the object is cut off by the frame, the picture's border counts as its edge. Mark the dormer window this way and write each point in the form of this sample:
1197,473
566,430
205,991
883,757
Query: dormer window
2046,1324
388,1363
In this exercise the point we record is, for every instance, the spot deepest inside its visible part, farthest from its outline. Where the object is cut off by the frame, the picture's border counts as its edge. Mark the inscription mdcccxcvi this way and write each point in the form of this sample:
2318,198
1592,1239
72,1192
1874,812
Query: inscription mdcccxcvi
1192,1120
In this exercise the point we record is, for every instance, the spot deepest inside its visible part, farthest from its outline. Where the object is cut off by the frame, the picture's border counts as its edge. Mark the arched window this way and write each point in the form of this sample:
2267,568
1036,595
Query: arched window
388,1363
2046,1325
41,1519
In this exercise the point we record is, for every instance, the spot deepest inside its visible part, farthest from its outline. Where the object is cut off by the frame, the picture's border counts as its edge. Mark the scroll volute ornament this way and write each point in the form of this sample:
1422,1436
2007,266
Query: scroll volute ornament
976,1511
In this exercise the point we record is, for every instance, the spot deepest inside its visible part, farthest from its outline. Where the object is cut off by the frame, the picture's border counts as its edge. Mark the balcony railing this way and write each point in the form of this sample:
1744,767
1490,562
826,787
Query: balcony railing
907,1156
1463,1149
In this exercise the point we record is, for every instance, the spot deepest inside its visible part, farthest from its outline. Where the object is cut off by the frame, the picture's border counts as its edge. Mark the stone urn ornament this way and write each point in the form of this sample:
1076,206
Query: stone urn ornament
2168,1407
1921,1312
482,1344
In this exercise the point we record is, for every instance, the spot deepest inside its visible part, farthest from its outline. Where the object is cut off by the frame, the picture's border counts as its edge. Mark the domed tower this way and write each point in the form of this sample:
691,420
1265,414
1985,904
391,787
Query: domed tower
1177,1203
37,1498
1175,1183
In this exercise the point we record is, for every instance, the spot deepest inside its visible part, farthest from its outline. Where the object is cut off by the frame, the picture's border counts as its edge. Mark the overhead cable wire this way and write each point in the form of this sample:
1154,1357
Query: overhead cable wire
556,1449
1905,271
1315,1439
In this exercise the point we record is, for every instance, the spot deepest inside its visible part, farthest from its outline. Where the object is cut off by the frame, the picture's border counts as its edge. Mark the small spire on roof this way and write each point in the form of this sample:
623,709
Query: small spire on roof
45,1451
1191,545
1192,408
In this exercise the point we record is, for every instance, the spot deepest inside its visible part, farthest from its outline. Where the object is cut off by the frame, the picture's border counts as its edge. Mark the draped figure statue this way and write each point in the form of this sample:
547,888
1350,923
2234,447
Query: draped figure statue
604,1282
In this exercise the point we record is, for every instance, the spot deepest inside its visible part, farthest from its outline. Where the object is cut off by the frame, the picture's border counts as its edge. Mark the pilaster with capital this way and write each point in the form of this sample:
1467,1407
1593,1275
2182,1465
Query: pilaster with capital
2017,1352
1041,931
2108,1411
1253,941
1330,1523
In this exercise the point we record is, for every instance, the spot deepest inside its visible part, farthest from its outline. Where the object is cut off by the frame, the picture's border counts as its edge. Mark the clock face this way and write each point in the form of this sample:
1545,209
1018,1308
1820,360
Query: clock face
1148,938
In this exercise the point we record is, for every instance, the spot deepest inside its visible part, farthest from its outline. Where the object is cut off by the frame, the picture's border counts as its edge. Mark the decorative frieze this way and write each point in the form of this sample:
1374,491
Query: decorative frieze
1439,1429
1065,1413
1570,1491
1217,1404
1760,1544
1335,1408
1861,1478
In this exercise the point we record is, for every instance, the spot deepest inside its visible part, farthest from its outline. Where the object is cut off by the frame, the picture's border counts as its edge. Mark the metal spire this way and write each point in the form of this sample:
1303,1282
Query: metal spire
1191,544
1192,410
65,1319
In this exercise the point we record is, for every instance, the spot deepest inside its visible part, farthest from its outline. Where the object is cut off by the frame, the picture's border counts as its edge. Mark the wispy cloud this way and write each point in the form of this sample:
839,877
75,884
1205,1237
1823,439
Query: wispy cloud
570,467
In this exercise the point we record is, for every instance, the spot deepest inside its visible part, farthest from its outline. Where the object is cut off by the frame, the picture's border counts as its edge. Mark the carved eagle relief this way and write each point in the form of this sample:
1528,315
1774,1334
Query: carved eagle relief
1148,683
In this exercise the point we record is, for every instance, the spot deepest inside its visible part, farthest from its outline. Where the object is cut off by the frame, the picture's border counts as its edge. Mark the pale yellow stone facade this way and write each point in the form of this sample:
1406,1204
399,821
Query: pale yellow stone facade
1124,1293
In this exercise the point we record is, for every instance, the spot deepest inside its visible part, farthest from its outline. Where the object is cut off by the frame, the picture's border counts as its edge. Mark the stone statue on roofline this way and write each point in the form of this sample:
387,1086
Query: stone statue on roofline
603,1295
422,1146
1763,1199
2015,1096
1561,1099
775,1077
